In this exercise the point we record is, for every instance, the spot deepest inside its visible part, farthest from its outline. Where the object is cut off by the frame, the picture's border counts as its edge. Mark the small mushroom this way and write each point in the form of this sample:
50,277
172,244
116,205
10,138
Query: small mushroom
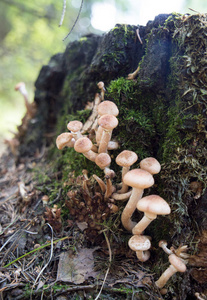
102,88
151,165
139,180
105,108
108,122
75,128
125,159
103,160
176,265
141,244
83,145
152,206
163,245
65,139
31,107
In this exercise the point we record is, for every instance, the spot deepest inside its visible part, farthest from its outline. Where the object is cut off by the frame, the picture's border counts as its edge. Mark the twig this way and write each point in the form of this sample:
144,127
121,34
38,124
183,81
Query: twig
63,13
81,6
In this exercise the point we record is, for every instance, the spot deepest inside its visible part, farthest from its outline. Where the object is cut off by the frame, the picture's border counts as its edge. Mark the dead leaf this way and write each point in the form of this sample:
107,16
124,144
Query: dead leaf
76,268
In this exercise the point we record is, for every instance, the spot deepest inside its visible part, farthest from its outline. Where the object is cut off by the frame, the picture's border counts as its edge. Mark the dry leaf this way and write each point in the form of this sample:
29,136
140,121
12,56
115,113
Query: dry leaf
76,268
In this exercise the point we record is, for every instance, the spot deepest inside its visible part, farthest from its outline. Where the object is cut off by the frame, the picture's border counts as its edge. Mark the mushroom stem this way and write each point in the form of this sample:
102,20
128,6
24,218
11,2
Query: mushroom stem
143,223
169,272
105,138
130,208
143,255
122,197
124,187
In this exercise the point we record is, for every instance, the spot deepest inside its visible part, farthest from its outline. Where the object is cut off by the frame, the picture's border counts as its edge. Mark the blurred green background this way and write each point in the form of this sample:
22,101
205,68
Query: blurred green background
30,35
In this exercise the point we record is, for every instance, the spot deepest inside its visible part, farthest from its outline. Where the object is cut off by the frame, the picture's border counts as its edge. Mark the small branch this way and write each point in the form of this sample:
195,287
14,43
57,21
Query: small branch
81,6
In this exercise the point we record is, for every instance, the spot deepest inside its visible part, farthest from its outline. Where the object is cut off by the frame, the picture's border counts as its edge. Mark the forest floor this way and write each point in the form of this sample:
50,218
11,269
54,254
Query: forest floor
46,258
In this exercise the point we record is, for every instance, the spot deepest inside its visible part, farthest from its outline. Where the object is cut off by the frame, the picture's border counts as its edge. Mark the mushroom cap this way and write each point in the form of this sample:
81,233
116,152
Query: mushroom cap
154,204
100,84
108,122
162,243
75,126
83,145
108,108
103,160
177,263
151,165
138,178
63,139
126,158
19,85
139,243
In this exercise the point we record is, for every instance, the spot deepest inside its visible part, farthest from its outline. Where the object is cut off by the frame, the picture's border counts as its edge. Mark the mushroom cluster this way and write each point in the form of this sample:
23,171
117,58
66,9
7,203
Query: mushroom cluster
95,206
151,206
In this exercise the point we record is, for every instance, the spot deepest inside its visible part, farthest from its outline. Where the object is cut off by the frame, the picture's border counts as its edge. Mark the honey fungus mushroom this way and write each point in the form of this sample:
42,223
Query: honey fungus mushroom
152,206
139,180
65,139
75,128
84,145
108,122
125,159
141,244
105,108
103,161
176,265
151,165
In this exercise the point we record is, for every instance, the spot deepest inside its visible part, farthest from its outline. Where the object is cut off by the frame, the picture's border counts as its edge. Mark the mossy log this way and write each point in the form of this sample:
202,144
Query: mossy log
163,113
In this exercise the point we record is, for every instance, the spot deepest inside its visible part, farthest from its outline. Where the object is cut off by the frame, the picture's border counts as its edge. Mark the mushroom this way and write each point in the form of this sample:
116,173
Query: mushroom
83,145
163,244
108,122
151,165
103,160
65,139
152,206
139,180
125,159
108,108
75,128
105,108
100,85
140,244
176,265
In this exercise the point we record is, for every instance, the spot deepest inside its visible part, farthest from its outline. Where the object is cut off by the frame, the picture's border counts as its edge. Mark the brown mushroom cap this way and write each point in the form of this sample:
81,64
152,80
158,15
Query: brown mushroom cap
126,158
139,243
83,145
108,122
138,178
63,139
151,165
154,204
75,126
177,263
103,160
108,108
